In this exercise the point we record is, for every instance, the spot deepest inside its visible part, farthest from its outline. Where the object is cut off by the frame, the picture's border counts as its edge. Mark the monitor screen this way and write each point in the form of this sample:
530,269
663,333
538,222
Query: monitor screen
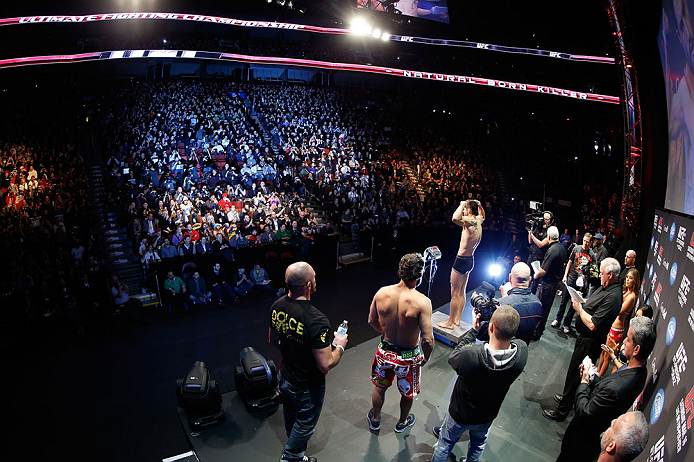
676,43
435,10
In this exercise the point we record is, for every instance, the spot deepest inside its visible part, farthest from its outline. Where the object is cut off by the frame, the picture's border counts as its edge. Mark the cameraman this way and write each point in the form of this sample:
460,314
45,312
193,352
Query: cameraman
522,300
539,242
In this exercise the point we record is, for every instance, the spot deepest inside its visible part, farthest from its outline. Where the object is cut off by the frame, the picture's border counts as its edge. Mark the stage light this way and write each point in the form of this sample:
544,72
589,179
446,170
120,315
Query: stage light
494,270
359,26
376,33
385,36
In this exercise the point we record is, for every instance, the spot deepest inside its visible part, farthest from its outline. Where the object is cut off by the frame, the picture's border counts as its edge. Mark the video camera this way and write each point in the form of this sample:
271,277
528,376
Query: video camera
485,306
535,219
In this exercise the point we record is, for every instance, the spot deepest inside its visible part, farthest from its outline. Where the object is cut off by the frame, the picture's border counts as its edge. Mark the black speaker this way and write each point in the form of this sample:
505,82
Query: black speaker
256,381
200,397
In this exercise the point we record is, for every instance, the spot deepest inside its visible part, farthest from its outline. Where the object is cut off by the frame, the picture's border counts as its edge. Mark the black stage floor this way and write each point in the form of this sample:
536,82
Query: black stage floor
113,399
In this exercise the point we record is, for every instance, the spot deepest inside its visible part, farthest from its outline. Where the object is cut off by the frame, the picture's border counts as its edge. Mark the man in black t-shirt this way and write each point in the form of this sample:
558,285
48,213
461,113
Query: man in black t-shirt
595,317
304,337
549,276
579,259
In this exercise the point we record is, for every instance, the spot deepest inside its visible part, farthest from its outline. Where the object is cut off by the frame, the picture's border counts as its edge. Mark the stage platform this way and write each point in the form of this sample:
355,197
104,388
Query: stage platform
519,433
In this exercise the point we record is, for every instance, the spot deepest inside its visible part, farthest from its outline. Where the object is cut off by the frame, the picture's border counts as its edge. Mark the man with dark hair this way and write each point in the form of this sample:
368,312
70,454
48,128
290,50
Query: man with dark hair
599,400
550,274
469,215
485,373
581,256
595,318
403,317
626,438
304,337
523,301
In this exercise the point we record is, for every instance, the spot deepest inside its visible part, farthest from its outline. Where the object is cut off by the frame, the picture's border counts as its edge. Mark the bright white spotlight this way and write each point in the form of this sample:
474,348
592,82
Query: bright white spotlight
376,33
359,26
385,36
494,270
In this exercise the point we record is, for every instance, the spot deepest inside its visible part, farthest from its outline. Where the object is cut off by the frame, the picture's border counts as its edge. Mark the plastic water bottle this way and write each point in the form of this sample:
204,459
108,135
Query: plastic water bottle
342,330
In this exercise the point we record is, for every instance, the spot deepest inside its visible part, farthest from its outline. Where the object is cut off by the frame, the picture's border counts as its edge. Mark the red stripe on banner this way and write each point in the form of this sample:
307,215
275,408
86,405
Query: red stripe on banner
14,62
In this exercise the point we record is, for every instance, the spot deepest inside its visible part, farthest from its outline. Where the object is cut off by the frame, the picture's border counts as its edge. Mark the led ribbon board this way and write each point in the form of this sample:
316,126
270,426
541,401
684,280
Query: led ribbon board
175,54
290,26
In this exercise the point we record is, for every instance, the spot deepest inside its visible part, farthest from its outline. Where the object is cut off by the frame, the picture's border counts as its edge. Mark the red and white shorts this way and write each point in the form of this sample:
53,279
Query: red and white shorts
403,364
616,334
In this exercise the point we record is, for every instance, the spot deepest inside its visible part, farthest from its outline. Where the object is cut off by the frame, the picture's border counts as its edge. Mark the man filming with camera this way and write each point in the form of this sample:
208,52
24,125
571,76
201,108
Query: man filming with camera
485,373
538,240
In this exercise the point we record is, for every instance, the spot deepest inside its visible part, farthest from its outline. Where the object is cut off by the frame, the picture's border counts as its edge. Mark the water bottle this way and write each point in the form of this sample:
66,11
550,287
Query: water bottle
342,330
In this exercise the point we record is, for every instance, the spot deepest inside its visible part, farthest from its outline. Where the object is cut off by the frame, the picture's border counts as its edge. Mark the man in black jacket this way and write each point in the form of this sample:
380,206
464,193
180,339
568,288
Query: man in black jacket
594,320
549,276
485,373
602,399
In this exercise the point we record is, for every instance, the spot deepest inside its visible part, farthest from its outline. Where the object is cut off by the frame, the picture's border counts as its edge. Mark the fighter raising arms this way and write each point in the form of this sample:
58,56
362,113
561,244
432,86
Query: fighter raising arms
469,215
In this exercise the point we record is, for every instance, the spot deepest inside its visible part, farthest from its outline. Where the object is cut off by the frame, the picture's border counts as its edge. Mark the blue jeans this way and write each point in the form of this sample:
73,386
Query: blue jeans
301,408
451,431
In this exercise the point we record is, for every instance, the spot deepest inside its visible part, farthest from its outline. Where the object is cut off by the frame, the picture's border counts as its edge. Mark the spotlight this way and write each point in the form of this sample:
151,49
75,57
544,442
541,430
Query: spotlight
385,36
376,33
494,270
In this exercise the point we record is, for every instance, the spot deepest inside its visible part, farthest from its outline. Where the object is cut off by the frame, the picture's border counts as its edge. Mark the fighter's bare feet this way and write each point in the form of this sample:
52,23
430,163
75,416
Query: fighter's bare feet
445,325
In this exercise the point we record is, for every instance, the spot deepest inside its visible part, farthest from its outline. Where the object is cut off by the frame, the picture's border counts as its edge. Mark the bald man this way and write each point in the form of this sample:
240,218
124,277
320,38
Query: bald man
520,298
305,340
629,262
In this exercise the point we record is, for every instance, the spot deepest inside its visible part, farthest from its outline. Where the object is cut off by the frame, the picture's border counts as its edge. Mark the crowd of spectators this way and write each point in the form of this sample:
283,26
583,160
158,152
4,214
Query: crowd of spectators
51,263
600,209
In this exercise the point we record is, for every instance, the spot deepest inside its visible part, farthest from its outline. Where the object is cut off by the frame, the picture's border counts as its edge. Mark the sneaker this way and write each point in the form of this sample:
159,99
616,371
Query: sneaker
374,425
567,330
436,431
409,421
304,459
555,323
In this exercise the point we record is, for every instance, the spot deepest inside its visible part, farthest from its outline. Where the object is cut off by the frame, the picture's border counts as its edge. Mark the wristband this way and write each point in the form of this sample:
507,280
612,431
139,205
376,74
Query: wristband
340,347
579,310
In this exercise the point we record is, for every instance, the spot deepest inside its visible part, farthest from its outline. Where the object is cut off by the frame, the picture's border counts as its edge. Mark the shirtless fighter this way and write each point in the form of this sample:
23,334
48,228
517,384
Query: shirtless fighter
403,317
470,216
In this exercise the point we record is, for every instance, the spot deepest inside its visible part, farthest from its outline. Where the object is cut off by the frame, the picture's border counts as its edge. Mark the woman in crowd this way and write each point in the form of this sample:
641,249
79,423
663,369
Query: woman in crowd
630,290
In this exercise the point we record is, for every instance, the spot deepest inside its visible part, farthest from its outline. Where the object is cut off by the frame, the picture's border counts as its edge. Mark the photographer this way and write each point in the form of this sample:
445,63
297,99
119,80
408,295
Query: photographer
485,373
522,300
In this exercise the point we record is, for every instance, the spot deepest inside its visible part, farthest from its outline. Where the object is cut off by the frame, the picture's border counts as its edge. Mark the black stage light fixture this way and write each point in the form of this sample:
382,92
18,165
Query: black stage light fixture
200,397
256,381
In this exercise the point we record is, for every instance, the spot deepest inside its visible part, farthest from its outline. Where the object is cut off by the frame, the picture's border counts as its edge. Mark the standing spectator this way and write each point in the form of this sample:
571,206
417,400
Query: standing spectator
307,356
600,400
580,258
550,273
595,318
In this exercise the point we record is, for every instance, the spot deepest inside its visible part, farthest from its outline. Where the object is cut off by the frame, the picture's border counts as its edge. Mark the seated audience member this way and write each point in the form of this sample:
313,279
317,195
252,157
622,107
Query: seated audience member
174,293
203,246
130,307
168,250
241,284
197,290
220,286
261,279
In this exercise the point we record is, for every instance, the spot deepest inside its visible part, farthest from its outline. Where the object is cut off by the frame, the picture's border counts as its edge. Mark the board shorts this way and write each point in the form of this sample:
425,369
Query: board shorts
391,361
616,334
463,264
